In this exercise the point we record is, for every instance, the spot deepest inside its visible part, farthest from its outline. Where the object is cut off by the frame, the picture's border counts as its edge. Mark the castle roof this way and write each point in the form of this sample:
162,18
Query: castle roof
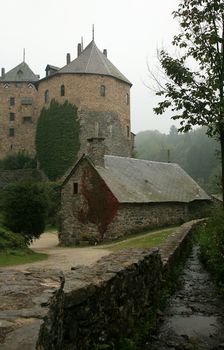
92,61
20,73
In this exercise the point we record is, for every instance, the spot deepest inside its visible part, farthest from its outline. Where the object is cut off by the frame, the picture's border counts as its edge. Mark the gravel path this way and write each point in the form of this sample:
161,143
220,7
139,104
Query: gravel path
59,257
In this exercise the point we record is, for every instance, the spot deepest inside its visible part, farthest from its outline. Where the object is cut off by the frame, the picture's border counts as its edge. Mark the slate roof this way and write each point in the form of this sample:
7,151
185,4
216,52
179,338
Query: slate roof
93,61
142,181
20,73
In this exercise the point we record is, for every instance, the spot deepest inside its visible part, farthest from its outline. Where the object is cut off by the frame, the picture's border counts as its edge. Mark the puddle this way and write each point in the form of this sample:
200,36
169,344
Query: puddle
193,325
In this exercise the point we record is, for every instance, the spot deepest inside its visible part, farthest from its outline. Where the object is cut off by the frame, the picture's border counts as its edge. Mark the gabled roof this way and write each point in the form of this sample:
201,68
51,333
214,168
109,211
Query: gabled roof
93,61
20,73
142,181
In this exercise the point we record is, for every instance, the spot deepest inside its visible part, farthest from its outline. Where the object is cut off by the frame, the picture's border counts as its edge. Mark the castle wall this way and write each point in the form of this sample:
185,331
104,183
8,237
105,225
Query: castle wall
18,119
107,116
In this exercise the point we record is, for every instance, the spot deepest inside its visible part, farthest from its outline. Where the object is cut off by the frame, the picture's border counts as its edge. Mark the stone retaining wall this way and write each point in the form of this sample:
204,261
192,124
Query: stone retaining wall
46,310
109,301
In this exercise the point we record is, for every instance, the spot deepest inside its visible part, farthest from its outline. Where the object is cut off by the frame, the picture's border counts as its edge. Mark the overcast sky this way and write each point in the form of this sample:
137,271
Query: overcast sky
130,30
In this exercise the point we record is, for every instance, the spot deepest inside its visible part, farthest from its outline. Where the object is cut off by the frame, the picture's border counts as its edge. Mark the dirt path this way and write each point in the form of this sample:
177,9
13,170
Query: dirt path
61,258
194,319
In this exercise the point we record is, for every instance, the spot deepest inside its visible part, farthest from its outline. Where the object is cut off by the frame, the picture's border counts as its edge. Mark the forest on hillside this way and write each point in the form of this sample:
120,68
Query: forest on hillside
195,152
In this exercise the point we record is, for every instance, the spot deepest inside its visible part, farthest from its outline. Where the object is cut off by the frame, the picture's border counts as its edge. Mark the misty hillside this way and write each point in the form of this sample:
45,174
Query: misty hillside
195,152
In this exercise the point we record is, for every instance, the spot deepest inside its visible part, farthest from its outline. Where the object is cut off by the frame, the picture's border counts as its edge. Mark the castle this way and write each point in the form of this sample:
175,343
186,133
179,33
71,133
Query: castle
91,82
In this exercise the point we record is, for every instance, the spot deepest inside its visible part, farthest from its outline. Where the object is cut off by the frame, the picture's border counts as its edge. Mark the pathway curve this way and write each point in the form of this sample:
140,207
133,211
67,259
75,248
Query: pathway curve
194,318
60,257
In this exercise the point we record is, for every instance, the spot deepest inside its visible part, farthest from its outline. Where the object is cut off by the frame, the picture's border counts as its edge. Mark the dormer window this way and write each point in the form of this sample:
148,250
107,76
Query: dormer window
102,90
46,96
62,90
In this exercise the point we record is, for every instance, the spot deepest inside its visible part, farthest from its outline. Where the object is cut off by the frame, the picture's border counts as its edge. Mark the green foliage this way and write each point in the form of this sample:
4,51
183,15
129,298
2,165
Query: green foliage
194,85
25,209
10,240
53,192
194,151
19,256
211,241
57,138
20,160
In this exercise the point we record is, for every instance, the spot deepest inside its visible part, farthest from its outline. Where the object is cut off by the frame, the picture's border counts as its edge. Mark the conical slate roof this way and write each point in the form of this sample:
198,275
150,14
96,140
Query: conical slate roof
22,72
93,61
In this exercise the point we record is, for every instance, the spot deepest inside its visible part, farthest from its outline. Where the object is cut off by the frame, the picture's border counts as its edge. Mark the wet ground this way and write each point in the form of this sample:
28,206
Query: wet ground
194,318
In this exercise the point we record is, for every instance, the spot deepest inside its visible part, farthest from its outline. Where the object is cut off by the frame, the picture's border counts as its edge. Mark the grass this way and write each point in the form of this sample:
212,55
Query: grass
148,240
20,256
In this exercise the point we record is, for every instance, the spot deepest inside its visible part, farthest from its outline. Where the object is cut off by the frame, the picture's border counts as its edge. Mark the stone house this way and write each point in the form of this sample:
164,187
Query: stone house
106,196
90,81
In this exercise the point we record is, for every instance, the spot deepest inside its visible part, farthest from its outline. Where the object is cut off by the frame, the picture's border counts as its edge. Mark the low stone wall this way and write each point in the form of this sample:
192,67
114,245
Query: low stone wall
107,302
10,176
46,310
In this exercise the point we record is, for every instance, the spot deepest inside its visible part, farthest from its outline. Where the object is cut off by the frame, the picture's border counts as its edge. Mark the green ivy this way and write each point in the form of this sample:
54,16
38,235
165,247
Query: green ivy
57,138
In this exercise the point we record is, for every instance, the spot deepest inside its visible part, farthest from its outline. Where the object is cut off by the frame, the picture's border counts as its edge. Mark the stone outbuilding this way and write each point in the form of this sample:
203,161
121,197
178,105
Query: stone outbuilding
107,196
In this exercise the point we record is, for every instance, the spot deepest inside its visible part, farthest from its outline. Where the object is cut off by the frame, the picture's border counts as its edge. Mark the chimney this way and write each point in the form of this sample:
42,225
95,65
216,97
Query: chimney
105,52
96,150
79,49
68,58
3,72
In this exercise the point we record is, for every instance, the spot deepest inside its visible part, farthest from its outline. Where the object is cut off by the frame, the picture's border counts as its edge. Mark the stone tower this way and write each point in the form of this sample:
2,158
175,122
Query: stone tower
101,93
18,113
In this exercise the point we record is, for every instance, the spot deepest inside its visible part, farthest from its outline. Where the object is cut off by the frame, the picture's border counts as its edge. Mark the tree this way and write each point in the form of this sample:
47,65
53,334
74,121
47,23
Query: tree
57,138
24,206
194,86
19,160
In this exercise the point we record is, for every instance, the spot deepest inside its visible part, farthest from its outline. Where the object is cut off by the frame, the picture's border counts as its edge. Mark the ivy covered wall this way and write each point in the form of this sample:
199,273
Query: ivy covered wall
57,138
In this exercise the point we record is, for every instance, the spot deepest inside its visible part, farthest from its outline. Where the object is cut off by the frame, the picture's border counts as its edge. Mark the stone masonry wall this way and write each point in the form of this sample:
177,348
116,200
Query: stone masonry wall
138,217
110,300
23,122
107,116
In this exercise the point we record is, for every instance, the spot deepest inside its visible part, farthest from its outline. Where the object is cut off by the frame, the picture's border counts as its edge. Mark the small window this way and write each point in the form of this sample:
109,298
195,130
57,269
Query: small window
62,90
102,90
75,187
12,101
127,99
26,101
11,132
11,117
46,96
27,120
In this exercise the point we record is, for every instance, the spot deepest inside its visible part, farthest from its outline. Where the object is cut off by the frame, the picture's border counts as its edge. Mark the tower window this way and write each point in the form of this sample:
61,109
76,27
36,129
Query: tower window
62,90
102,90
127,99
75,187
46,96
27,119
11,132
12,101
11,117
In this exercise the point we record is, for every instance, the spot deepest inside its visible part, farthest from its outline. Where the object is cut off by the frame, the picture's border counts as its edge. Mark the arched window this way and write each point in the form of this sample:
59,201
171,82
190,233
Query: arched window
46,96
102,90
62,90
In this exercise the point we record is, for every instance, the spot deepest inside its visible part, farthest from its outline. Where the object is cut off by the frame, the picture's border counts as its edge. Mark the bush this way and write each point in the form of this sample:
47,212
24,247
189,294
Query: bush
211,241
10,240
20,160
25,206
57,138
53,192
